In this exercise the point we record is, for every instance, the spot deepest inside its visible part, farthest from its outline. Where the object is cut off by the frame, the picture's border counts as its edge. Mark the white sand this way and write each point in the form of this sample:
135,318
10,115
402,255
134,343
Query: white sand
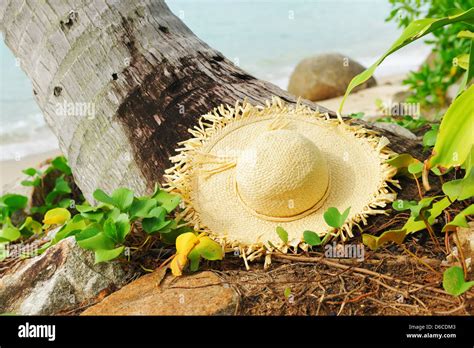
364,100
10,170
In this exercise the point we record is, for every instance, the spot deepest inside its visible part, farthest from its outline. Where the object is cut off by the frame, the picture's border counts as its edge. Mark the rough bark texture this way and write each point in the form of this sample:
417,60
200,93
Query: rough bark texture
146,75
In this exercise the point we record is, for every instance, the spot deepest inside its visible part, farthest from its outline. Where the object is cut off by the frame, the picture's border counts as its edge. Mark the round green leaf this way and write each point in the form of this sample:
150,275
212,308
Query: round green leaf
10,233
453,281
14,201
334,218
282,234
103,255
123,198
311,238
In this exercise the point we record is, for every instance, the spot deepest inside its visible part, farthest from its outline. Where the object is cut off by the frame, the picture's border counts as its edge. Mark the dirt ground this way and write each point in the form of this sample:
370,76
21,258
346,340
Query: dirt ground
386,283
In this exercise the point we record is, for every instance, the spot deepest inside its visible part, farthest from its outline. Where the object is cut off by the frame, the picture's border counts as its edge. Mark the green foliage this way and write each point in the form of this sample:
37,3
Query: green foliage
311,238
460,219
406,165
401,205
59,195
455,138
11,204
430,211
430,83
412,32
406,121
461,189
104,228
56,216
454,283
429,138
282,234
334,218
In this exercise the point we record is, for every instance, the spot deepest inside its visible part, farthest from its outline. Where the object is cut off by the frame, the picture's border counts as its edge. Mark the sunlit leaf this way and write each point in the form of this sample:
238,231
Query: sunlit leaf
209,249
282,234
334,218
413,225
415,168
122,198
10,233
31,225
311,238
455,138
167,200
56,216
178,263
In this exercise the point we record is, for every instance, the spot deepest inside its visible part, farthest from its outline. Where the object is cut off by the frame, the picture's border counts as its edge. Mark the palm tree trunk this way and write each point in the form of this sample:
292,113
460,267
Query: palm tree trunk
120,82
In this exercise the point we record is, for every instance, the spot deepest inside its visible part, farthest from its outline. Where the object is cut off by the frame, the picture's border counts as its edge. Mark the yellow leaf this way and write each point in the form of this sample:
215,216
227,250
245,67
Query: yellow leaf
56,216
185,243
178,263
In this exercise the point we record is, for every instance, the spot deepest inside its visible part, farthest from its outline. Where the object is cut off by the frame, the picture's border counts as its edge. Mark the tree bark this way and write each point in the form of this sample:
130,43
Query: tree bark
145,76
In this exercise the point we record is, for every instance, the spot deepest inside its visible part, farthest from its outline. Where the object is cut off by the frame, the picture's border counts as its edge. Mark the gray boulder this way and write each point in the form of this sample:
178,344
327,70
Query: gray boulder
325,76
60,279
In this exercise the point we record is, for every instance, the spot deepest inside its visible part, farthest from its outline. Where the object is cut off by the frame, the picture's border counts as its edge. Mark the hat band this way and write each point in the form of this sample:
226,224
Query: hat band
298,216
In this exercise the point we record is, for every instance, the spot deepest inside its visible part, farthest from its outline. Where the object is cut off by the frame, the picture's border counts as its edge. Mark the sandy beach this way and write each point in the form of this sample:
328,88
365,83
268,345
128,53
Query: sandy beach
365,100
10,170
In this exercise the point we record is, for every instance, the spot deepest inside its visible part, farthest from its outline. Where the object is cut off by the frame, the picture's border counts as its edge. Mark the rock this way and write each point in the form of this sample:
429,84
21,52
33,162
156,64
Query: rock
203,293
325,76
396,129
401,97
62,278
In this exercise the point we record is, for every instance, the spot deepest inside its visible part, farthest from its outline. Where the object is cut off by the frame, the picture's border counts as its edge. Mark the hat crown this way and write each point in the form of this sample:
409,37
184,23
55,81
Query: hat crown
281,174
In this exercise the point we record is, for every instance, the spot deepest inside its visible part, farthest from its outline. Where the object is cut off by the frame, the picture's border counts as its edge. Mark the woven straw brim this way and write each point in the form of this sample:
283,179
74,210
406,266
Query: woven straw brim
359,176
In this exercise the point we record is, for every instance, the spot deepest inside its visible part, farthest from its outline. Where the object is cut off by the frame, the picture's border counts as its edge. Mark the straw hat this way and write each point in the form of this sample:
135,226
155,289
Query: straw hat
248,169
